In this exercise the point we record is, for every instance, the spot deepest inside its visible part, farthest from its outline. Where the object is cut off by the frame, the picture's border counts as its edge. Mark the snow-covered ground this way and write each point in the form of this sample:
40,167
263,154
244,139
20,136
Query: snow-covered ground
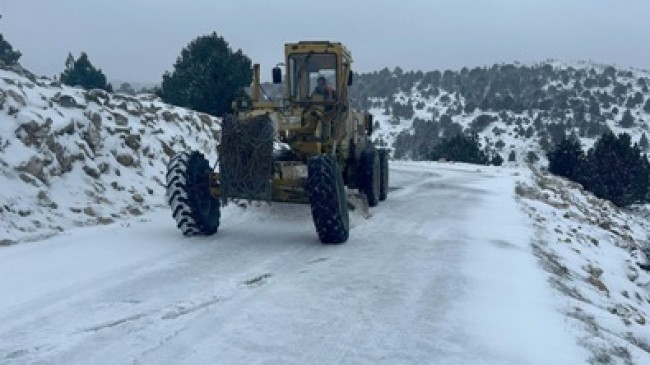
442,273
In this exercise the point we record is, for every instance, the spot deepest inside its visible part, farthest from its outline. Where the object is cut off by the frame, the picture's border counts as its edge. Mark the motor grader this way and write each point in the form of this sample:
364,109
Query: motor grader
307,148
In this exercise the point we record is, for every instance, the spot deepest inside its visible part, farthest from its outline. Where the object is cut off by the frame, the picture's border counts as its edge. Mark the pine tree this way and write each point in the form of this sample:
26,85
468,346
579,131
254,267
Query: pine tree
594,108
207,76
646,107
531,157
566,159
8,55
496,160
512,157
616,170
81,72
460,148
628,120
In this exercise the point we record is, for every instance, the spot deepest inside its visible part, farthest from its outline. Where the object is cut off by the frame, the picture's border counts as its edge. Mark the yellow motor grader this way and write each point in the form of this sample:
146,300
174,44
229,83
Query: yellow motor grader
308,148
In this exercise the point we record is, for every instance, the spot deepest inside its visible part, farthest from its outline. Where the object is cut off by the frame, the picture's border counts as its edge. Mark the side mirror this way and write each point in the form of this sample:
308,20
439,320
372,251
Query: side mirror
350,78
277,75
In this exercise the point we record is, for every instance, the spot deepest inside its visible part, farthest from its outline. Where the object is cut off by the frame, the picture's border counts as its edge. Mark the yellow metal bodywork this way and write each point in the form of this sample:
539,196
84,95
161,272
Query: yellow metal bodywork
309,128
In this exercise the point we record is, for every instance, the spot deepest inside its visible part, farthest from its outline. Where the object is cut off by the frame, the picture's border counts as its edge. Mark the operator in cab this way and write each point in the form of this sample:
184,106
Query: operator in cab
323,90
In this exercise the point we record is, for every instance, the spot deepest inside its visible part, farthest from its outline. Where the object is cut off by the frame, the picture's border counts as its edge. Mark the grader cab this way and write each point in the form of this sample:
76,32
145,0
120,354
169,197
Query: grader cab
307,148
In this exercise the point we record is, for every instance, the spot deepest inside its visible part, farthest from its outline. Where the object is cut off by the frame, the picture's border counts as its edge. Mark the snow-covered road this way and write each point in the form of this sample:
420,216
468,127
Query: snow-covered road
441,274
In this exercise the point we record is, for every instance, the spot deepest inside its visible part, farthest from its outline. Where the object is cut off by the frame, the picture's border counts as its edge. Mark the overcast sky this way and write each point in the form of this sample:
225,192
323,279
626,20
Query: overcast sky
137,40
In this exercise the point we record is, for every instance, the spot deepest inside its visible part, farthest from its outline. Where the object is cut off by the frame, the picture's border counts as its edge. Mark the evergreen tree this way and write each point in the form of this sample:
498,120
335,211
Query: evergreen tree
530,132
207,76
82,73
616,170
460,148
646,107
635,100
557,132
496,160
8,55
628,120
566,159
594,108
512,157
531,157
481,122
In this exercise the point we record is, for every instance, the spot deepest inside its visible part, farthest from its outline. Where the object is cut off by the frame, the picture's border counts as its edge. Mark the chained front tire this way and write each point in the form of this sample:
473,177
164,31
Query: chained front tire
329,206
370,175
193,207
383,172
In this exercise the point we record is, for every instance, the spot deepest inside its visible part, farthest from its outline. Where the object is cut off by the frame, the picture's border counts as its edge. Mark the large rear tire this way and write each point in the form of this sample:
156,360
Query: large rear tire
383,172
370,175
193,207
329,206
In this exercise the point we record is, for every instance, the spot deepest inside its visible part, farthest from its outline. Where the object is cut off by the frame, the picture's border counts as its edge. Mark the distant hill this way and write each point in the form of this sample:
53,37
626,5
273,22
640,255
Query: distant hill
514,108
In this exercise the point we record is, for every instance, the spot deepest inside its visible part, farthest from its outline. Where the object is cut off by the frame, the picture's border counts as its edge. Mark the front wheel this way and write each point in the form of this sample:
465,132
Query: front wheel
193,207
329,206
370,175
383,172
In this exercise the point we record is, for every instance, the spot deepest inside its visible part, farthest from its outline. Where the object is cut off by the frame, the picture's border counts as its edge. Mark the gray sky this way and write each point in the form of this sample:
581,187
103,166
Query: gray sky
137,40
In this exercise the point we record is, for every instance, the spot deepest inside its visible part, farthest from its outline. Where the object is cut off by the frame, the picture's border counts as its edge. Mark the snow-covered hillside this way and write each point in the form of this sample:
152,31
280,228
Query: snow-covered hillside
70,157
597,257
576,104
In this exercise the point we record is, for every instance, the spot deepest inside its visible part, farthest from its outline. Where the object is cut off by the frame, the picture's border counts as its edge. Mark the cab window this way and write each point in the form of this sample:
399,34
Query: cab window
304,71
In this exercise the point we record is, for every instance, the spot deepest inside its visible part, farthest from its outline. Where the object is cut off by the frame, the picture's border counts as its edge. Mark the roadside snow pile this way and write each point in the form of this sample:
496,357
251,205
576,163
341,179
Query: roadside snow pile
596,256
71,157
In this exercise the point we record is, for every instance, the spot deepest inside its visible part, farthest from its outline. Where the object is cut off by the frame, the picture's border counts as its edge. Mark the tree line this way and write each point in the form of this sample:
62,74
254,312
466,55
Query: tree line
614,168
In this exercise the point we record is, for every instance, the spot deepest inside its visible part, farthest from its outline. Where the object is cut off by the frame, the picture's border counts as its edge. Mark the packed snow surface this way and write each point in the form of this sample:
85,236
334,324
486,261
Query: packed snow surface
442,273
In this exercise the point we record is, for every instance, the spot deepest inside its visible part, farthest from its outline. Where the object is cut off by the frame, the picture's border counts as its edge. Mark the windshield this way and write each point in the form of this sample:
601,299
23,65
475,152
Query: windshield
305,70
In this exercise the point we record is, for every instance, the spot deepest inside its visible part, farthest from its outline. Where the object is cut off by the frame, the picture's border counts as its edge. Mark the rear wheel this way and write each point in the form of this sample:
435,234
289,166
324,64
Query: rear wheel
383,172
329,207
370,175
194,208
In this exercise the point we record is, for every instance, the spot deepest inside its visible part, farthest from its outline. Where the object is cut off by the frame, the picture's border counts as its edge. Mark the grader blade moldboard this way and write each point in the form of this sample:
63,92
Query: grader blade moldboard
246,158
